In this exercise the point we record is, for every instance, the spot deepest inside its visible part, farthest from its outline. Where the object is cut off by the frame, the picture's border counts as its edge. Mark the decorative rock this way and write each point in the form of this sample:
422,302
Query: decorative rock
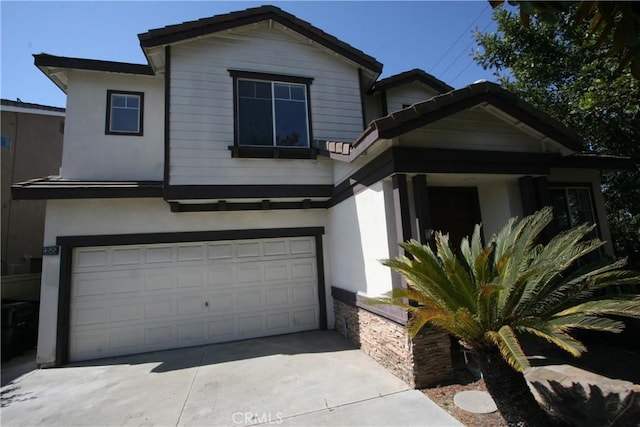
478,402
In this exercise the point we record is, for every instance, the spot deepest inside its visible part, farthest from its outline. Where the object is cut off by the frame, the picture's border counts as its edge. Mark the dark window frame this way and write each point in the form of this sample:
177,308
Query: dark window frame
578,185
107,129
274,151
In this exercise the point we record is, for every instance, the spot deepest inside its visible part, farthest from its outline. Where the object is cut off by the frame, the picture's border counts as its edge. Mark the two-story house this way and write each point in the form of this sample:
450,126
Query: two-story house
247,180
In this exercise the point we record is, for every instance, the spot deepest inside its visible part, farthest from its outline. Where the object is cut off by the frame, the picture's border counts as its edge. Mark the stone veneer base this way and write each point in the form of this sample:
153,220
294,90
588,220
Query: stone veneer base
422,361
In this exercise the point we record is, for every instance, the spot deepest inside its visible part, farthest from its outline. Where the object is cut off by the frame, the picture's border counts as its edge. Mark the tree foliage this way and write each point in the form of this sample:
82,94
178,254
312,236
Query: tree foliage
558,67
615,23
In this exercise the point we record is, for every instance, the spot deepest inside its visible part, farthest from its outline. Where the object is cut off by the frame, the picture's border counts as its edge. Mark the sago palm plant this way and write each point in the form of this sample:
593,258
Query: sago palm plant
486,296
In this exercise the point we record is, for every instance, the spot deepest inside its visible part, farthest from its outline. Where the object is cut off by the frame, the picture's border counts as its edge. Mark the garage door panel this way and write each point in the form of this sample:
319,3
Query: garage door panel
250,273
220,251
248,325
249,300
277,297
91,284
159,255
159,281
248,249
137,298
126,256
191,333
125,313
222,302
276,271
191,279
304,318
221,275
126,282
191,252
191,305
90,315
159,337
275,248
303,270
304,246
88,258
222,328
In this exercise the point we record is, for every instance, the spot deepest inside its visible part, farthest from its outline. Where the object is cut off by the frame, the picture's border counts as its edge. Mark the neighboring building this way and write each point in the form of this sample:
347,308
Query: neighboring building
31,148
249,178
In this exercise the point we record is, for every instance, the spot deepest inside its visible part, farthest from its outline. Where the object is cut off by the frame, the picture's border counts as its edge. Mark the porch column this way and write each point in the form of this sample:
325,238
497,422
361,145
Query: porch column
403,228
527,195
543,197
421,203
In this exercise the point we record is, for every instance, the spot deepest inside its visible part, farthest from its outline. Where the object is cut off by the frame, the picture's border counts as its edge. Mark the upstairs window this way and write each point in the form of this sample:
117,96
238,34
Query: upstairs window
271,113
124,113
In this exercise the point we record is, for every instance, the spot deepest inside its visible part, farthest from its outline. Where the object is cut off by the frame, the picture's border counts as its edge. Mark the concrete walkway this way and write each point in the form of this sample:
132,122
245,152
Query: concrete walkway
308,379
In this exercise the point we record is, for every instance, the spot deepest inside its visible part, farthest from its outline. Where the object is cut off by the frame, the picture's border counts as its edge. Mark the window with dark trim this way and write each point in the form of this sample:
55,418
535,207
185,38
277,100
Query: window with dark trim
572,206
125,112
271,111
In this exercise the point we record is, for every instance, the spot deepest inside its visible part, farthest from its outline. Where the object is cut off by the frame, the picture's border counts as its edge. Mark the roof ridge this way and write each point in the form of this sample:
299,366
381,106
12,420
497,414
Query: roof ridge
209,25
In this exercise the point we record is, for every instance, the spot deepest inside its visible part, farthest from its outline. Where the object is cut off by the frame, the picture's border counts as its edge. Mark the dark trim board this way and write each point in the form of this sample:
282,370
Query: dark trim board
393,313
52,189
249,152
107,125
69,243
224,206
167,117
239,150
46,60
181,192
253,75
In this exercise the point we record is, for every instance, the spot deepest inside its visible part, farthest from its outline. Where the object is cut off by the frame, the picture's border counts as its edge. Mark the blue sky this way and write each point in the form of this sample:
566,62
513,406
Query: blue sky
433,35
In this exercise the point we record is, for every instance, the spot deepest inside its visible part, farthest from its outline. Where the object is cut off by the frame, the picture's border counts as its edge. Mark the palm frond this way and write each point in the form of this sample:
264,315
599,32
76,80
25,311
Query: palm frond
627,306
552,334
581,321
507,342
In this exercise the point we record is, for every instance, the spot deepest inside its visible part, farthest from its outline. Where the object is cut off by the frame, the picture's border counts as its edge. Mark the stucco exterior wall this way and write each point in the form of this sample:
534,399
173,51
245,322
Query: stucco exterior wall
133,216
91,154
360,230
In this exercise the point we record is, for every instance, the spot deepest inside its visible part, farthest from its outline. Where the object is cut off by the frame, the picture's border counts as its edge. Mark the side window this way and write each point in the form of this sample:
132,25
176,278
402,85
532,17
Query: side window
572,206
125,112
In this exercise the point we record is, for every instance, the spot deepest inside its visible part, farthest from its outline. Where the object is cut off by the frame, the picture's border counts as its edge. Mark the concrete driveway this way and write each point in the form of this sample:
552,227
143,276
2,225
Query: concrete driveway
307,379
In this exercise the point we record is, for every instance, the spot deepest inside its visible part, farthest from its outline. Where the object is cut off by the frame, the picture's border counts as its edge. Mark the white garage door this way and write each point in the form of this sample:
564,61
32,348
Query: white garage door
132,299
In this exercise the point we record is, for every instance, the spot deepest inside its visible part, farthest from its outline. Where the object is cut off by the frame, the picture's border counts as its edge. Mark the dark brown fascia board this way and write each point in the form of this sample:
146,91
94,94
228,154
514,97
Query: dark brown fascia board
42,189
447,104
186,30
223,192
224,206
598,161
29,105
46,60
395,314
187,236
406,77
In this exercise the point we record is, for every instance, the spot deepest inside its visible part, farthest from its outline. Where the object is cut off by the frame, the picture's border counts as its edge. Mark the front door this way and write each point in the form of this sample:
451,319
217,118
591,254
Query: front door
454,210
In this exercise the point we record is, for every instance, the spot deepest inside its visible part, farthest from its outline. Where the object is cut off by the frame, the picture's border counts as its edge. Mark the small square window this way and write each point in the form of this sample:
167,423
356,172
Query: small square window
124,113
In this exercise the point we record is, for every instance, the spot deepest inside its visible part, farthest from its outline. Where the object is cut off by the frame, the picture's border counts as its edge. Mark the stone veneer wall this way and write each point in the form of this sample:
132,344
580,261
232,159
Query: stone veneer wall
421,361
